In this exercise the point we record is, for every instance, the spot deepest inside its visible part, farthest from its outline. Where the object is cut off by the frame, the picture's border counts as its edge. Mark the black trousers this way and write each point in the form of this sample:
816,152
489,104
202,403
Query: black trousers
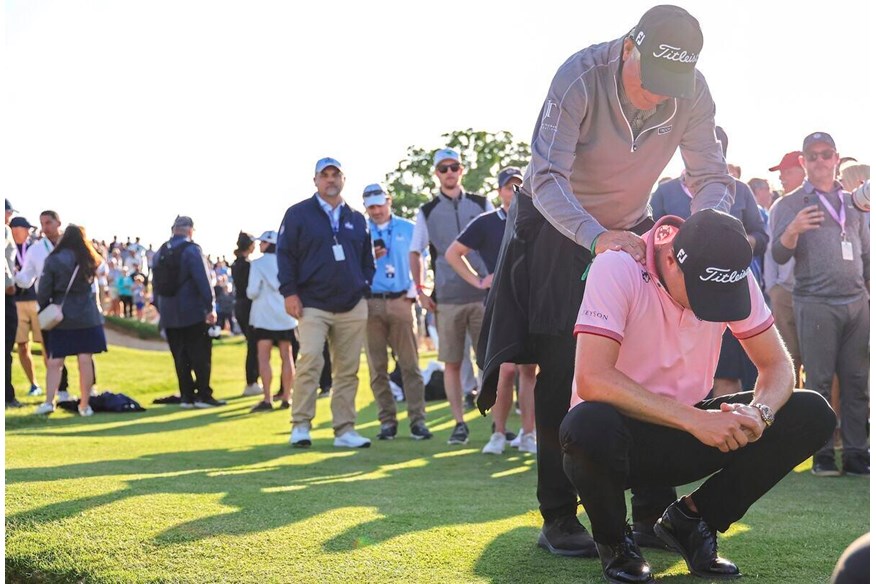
11,328
555,266
251,364
192,350
605,452
127,305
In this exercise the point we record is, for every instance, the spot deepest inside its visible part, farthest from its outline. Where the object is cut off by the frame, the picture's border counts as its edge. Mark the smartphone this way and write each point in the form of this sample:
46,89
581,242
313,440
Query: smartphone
379,243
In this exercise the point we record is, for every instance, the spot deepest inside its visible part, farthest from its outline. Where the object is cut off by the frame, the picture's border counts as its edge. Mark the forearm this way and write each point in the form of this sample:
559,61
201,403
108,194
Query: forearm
558,205
783,248
416,262
775,371
26,276
631,399
455,256
774,386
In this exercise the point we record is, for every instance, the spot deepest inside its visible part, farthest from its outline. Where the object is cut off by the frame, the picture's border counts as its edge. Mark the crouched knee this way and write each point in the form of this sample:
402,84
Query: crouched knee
595,431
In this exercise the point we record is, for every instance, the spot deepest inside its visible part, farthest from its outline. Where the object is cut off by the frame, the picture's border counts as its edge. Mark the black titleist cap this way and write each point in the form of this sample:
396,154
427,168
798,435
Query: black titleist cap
713,252
669,40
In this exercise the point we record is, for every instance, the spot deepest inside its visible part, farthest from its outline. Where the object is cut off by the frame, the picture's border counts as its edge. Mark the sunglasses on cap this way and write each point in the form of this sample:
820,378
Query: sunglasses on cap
451,167
825,155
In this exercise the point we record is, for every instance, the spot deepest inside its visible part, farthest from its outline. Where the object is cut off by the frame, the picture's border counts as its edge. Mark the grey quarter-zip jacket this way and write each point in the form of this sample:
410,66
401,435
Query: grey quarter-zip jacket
589,173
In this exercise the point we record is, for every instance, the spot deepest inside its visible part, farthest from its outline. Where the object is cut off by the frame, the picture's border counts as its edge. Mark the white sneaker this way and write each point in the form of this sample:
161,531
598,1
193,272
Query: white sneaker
35,390
516,442
496,445
62,396
86,412
352,439
44,408
300,437
252,389
528,444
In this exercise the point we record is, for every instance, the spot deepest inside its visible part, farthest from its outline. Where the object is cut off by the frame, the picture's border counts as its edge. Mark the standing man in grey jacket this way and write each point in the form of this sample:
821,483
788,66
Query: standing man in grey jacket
829,239
614,115
458,306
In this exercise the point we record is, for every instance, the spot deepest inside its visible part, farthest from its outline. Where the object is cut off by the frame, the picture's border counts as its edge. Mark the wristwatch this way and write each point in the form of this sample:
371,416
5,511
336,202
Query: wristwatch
766,413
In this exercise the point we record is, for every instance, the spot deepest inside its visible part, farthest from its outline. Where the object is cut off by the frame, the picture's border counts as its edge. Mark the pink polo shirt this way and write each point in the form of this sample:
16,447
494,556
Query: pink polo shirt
663,346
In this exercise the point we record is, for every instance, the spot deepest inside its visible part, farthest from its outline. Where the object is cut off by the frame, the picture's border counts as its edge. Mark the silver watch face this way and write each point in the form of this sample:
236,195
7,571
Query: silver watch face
766,413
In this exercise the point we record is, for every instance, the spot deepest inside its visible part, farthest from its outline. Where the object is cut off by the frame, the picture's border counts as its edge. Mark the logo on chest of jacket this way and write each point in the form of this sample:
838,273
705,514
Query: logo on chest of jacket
348,225
664,130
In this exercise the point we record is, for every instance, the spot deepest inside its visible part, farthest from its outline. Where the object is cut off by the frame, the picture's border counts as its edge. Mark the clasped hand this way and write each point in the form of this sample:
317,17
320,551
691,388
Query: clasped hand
730,428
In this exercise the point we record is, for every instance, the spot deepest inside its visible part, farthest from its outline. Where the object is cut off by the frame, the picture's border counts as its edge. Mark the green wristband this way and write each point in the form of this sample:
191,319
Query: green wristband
592,257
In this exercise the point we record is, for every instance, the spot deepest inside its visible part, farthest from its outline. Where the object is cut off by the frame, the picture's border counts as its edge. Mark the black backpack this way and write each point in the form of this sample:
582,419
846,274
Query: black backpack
167,267
434,390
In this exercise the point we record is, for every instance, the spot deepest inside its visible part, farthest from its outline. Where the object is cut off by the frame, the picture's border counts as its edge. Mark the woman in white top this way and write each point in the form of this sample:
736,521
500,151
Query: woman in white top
269,322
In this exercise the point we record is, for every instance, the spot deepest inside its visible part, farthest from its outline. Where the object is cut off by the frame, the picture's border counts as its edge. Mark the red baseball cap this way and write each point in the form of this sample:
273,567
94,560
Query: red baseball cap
789,160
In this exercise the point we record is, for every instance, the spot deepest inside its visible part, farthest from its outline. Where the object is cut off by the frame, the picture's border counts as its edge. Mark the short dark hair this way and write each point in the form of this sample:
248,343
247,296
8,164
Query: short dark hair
53,214
758,183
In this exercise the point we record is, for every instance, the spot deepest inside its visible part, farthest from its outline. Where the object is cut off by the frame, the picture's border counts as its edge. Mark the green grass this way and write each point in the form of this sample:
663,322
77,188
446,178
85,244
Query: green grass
143,330
174,495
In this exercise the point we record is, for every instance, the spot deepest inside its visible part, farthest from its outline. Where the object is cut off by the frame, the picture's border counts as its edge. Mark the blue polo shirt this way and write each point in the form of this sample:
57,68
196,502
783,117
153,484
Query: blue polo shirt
484,235
393,271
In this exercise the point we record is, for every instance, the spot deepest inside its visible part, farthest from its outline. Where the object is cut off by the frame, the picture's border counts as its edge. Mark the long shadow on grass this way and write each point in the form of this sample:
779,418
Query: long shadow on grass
156,419
273,486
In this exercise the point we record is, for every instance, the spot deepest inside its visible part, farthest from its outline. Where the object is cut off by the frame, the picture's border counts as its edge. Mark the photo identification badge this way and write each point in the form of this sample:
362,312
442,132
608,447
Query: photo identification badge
848,251
338,250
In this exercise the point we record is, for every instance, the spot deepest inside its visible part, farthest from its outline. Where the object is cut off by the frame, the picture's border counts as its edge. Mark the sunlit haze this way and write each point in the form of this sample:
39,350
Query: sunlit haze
121,114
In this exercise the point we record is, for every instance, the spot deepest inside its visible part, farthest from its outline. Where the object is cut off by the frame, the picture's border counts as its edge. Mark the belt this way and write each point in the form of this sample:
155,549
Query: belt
385,295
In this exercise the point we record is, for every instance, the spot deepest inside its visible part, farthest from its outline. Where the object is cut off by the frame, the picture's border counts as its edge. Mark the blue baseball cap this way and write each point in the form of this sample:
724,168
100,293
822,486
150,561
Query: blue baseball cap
324,163
374,194
9,207
445,154
508,173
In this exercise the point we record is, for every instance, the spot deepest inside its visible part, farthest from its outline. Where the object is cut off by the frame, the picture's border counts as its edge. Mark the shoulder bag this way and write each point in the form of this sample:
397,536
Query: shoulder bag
52,315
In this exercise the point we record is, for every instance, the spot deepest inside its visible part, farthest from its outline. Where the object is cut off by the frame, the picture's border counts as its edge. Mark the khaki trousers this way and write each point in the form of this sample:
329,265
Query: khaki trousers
345,332
391,323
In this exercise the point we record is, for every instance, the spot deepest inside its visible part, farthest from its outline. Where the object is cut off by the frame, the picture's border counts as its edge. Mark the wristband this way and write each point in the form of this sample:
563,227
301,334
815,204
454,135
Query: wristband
420,289
592,257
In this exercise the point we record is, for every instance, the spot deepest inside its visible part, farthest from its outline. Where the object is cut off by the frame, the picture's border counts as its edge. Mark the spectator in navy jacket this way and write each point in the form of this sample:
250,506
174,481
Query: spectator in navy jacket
325,265
735,371
186,316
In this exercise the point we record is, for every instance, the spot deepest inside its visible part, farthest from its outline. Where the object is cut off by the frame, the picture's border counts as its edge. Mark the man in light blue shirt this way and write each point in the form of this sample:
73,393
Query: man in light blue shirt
391,316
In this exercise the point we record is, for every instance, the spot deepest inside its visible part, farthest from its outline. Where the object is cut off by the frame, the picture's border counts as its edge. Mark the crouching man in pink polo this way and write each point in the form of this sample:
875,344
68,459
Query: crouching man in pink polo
648,341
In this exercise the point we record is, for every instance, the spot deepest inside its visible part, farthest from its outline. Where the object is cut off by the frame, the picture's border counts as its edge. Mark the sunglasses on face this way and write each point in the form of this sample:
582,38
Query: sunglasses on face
825,155
445,167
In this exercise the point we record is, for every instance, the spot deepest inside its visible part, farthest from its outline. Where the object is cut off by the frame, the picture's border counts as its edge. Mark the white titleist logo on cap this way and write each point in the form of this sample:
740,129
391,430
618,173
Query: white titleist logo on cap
723,276
671,53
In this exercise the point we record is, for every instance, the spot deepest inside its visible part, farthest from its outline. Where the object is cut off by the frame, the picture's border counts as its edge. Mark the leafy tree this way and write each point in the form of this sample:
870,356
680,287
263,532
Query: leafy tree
484,153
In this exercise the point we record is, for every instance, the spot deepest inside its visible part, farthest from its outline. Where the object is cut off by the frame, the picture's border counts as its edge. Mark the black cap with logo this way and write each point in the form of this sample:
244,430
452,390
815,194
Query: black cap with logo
669,40
817,137
508,173
713,252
